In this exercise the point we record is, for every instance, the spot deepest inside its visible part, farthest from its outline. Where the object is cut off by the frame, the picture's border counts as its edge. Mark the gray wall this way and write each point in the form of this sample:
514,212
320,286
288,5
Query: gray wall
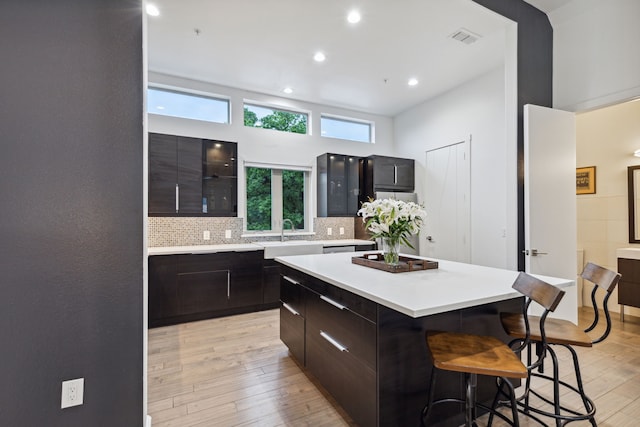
535,78
71,236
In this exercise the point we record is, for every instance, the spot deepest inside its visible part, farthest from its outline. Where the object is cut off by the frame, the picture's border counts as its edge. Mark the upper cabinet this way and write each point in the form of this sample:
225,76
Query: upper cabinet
338,185
219,178
383,173
191,176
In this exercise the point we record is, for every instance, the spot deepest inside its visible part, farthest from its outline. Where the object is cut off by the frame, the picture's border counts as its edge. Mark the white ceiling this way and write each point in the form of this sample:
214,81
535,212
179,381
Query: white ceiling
267,45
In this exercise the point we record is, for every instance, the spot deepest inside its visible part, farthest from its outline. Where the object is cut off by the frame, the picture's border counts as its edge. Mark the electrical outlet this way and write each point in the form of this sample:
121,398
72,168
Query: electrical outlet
341,231
72,393
227,234
329,231
206,235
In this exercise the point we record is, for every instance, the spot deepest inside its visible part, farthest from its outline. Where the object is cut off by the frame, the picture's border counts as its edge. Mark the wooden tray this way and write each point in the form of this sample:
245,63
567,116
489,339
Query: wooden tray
376,260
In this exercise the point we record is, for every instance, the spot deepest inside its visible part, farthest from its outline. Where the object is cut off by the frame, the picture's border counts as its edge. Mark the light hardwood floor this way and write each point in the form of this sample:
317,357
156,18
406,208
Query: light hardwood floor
235,371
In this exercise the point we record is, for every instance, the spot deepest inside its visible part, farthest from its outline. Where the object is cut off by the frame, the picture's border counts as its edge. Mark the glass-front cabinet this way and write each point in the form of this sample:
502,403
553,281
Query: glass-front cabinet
219,178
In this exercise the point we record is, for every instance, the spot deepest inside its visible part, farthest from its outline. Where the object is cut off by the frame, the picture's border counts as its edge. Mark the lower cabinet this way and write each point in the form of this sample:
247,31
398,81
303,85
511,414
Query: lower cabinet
292,318
271,282
332,333
629,285
188,287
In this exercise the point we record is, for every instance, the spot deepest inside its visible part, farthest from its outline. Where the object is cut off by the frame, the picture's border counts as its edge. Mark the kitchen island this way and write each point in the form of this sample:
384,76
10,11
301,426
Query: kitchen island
360,331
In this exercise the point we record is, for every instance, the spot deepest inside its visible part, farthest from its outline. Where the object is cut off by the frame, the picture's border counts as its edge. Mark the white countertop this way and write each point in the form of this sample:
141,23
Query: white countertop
203,249
628,253
417,293
242,247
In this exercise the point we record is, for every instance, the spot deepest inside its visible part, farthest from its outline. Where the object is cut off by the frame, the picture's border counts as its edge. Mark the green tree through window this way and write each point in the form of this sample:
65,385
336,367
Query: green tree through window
262,195
279,120
258,199
293,197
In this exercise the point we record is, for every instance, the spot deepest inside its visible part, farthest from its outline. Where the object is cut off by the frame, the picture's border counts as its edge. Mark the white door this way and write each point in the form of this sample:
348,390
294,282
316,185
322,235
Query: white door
550,198
447,228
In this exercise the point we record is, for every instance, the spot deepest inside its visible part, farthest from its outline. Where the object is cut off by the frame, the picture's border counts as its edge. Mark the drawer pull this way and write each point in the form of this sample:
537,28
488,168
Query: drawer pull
333,342
333,303
290,280
288,307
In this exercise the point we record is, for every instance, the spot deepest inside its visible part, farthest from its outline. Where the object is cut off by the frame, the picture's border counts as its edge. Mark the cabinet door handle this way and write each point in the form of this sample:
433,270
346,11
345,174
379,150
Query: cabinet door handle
333,303
177,197
290,280
291,310
395,174
228,284
333,342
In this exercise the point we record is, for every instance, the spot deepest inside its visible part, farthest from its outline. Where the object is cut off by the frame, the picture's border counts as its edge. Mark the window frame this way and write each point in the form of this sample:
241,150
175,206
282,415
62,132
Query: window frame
192,93
277,210
345,119
274,107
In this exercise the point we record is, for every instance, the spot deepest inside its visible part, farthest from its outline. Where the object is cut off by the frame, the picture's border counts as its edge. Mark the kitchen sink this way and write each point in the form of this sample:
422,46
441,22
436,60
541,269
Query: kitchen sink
290,247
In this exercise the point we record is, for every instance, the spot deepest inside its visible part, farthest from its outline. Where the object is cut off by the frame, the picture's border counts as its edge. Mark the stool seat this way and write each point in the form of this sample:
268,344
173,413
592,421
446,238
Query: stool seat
557,331
474,354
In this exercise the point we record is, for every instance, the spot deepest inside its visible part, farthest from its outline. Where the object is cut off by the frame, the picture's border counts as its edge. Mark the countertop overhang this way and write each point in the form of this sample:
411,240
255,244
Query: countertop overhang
452,286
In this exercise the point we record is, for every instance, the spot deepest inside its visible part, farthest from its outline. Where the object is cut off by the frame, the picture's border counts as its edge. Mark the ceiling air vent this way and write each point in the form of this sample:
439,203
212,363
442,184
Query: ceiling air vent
465,36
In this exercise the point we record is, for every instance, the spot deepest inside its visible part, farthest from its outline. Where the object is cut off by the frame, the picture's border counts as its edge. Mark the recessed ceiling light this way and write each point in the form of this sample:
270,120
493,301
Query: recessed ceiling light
412,82
160,107
319,57
152,10
287,90
353,17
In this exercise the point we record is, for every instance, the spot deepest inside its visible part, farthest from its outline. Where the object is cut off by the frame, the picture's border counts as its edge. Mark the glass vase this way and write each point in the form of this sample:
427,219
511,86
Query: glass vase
390,249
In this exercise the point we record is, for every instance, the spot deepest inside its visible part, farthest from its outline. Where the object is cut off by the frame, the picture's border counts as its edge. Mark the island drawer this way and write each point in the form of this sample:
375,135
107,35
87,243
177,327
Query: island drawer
343,327
362,306
291,294
292,332
350,382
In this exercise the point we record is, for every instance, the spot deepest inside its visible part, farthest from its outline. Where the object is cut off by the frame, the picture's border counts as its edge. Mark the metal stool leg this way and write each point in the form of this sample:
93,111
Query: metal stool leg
470,401
427,409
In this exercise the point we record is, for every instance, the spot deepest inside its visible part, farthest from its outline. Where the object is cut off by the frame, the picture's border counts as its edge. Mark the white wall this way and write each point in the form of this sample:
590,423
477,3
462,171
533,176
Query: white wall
606,138
596,59
266,145
476,108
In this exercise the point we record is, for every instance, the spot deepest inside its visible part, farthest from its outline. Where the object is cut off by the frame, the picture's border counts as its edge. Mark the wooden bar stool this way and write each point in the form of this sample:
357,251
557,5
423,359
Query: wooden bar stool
565,334
476,355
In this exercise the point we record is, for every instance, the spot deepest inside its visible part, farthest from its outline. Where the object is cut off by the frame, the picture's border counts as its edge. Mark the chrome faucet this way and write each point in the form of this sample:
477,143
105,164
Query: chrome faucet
284,221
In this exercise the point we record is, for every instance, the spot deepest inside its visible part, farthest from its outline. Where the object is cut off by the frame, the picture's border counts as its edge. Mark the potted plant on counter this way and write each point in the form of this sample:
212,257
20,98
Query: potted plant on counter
393,221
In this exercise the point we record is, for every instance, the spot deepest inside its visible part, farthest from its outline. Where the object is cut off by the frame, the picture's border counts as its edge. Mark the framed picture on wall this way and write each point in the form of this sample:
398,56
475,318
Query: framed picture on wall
586,180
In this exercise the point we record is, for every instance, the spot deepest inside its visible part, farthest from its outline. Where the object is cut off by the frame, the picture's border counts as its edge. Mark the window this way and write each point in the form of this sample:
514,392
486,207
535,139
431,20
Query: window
274,195
353,130
269,118
187,105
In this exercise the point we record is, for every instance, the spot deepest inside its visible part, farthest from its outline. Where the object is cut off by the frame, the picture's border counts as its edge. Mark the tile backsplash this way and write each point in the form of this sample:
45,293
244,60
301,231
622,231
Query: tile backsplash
189,231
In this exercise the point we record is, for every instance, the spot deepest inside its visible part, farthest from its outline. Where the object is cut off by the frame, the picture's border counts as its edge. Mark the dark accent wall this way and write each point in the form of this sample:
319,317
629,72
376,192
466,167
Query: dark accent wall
71,221
535,78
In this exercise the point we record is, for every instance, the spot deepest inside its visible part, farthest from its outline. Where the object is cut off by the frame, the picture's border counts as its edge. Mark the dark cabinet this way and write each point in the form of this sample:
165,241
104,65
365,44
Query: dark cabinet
163,273
246,279
192,176
270,282
383,173
629,285
189,287
219,178
175,175
338,185
332,333
292,318
203,292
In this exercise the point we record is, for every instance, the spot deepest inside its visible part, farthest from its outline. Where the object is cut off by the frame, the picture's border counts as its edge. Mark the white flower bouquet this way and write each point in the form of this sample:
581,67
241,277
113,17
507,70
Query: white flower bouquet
393,221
